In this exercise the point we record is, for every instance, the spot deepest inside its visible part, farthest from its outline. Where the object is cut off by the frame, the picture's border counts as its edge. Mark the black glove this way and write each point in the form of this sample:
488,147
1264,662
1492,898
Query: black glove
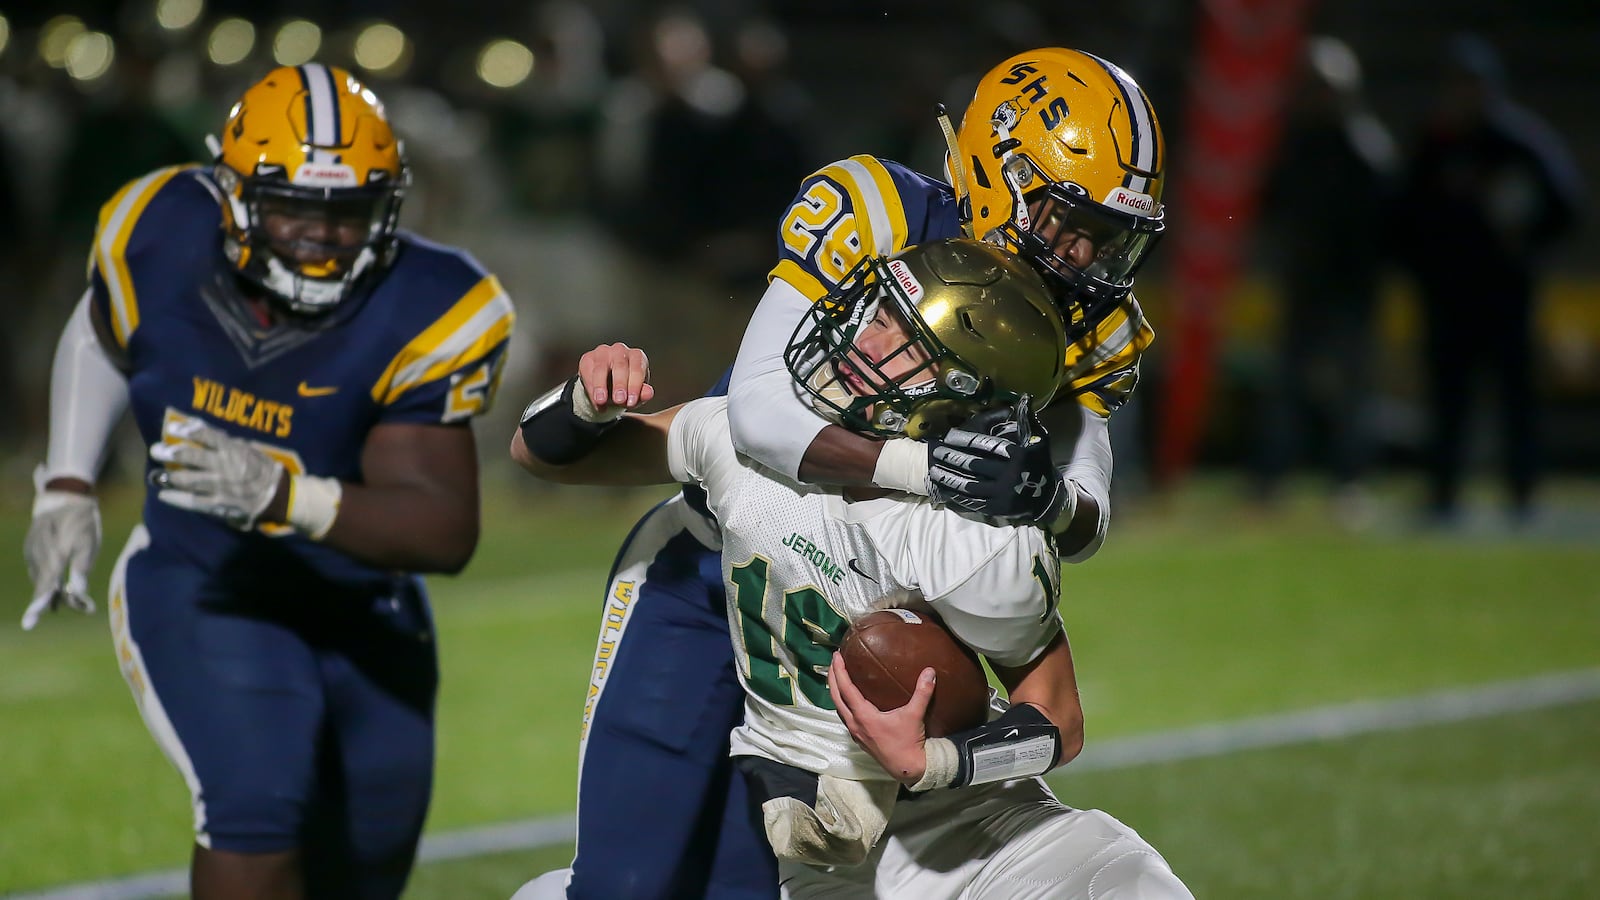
997,464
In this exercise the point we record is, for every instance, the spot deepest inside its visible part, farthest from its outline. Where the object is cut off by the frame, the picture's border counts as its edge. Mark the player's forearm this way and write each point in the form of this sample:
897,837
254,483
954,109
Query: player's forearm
1088,471
633,452
1050,685
412,529
88,397
839,456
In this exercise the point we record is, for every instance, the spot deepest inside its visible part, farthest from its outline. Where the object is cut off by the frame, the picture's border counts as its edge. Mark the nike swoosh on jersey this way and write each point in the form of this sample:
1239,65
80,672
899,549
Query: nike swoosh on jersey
857,569
306,390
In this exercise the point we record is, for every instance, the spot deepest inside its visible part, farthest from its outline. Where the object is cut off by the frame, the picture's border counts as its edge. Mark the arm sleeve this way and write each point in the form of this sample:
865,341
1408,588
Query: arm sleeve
87,398
769,420
699,450
1090,469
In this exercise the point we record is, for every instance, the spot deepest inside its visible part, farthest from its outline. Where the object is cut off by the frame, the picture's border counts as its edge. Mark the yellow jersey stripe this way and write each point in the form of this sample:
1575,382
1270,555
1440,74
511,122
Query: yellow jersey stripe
886,199
795,275
478,322
117,221
864,224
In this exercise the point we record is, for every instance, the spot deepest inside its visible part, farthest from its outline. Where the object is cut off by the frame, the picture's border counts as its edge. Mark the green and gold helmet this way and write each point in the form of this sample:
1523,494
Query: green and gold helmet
914,343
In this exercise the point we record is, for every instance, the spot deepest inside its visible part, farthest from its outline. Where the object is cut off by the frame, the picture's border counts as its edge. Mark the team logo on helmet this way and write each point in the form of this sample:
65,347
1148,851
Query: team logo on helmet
1009,113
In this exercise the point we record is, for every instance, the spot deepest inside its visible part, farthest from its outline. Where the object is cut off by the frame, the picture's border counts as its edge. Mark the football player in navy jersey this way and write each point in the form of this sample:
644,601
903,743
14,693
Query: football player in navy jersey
1060,158
304,375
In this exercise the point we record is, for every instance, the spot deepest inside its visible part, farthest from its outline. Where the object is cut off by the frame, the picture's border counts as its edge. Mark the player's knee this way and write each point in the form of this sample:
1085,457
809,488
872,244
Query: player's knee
1138,875
549,886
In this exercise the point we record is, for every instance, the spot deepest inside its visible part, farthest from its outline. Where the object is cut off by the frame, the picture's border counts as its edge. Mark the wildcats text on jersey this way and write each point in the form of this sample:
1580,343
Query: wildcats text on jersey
230,404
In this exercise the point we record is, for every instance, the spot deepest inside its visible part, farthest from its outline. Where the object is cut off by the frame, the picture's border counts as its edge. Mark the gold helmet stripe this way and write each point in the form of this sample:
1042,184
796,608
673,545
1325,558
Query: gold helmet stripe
1142,155
322,106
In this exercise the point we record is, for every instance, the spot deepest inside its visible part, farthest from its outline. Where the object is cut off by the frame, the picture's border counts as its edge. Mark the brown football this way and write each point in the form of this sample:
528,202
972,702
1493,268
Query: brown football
887,650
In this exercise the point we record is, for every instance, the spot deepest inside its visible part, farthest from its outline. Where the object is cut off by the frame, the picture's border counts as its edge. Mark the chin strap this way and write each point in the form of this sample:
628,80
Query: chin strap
958,169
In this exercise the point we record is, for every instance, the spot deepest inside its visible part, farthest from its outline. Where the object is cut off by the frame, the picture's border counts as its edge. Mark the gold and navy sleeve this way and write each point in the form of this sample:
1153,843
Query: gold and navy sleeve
113,287
842,213
1103,367
451,370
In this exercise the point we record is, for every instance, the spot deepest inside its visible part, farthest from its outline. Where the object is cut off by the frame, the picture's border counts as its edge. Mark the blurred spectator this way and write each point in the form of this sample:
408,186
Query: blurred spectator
1324,200
121,134
1488,191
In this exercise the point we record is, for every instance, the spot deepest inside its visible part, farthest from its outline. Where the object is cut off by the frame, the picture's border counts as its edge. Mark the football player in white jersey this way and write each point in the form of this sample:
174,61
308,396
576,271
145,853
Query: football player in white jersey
908,346
1060,158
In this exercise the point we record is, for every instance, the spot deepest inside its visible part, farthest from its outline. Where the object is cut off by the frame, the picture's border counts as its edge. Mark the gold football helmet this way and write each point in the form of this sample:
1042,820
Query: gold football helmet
914,343
1064,163
313,178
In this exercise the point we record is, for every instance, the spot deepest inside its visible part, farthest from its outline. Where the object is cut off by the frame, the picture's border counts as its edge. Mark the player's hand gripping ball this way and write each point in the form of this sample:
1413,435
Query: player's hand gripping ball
886,651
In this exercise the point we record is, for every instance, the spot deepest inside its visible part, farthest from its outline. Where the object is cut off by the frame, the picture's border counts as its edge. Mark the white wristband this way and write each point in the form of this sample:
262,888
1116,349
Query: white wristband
902,466
1069,509
314,504
583,407
943,761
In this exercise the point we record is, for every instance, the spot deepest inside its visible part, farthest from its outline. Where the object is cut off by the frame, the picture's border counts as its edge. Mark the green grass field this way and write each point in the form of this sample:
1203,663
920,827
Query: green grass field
1197,612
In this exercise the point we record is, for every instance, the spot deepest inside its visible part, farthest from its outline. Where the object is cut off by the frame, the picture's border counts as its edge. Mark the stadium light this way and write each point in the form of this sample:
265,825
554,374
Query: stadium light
231,41
54,38
5,34
380,48
297,42
89,55
176,15
505,63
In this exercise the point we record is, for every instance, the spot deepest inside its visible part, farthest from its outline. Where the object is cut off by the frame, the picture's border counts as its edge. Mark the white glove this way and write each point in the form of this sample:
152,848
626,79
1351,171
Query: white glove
61,544
840,830
211,472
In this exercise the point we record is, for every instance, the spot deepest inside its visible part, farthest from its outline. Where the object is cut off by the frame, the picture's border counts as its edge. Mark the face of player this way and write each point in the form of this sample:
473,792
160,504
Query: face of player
885,343
324,233
1072,241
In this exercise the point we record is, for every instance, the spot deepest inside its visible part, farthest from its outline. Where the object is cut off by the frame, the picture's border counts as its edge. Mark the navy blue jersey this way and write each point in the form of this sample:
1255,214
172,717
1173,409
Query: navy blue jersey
421,344
858,207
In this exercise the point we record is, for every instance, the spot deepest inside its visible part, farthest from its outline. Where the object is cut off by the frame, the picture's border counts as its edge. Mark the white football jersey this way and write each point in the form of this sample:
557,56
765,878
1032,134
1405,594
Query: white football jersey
801,562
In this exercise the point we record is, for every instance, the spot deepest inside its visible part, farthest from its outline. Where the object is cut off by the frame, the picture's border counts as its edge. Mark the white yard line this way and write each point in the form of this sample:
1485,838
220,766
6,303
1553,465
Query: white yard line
1309,726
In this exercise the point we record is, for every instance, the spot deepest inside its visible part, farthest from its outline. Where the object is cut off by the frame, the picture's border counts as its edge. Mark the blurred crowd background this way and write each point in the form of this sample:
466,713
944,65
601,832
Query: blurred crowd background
622,166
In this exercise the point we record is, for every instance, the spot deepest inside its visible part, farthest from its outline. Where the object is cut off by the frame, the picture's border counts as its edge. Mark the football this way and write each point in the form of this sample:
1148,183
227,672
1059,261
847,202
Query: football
887,650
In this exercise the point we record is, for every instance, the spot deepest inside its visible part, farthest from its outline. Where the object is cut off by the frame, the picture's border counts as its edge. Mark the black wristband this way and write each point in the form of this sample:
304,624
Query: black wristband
1021,742
554,434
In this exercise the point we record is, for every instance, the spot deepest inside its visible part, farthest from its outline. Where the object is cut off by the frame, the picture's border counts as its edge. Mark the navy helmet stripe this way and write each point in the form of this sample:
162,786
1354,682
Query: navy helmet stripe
322,105
1142,154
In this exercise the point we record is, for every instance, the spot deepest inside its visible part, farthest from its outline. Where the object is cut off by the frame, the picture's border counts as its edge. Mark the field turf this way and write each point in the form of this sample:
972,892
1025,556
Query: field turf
1199,611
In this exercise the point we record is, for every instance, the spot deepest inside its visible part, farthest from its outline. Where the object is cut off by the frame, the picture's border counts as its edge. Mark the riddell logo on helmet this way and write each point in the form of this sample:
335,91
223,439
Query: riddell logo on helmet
1131,201
314,174
907,281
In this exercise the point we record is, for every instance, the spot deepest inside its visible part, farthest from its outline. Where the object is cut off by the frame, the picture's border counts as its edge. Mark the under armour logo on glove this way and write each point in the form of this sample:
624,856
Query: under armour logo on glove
986,466
1037,487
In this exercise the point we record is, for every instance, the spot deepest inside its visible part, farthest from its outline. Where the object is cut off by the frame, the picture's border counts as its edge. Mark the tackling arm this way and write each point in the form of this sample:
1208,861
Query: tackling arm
773,425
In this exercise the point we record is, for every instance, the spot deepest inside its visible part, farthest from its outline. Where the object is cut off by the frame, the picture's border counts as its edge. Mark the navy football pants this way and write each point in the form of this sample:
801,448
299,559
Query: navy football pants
296,721
662,812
